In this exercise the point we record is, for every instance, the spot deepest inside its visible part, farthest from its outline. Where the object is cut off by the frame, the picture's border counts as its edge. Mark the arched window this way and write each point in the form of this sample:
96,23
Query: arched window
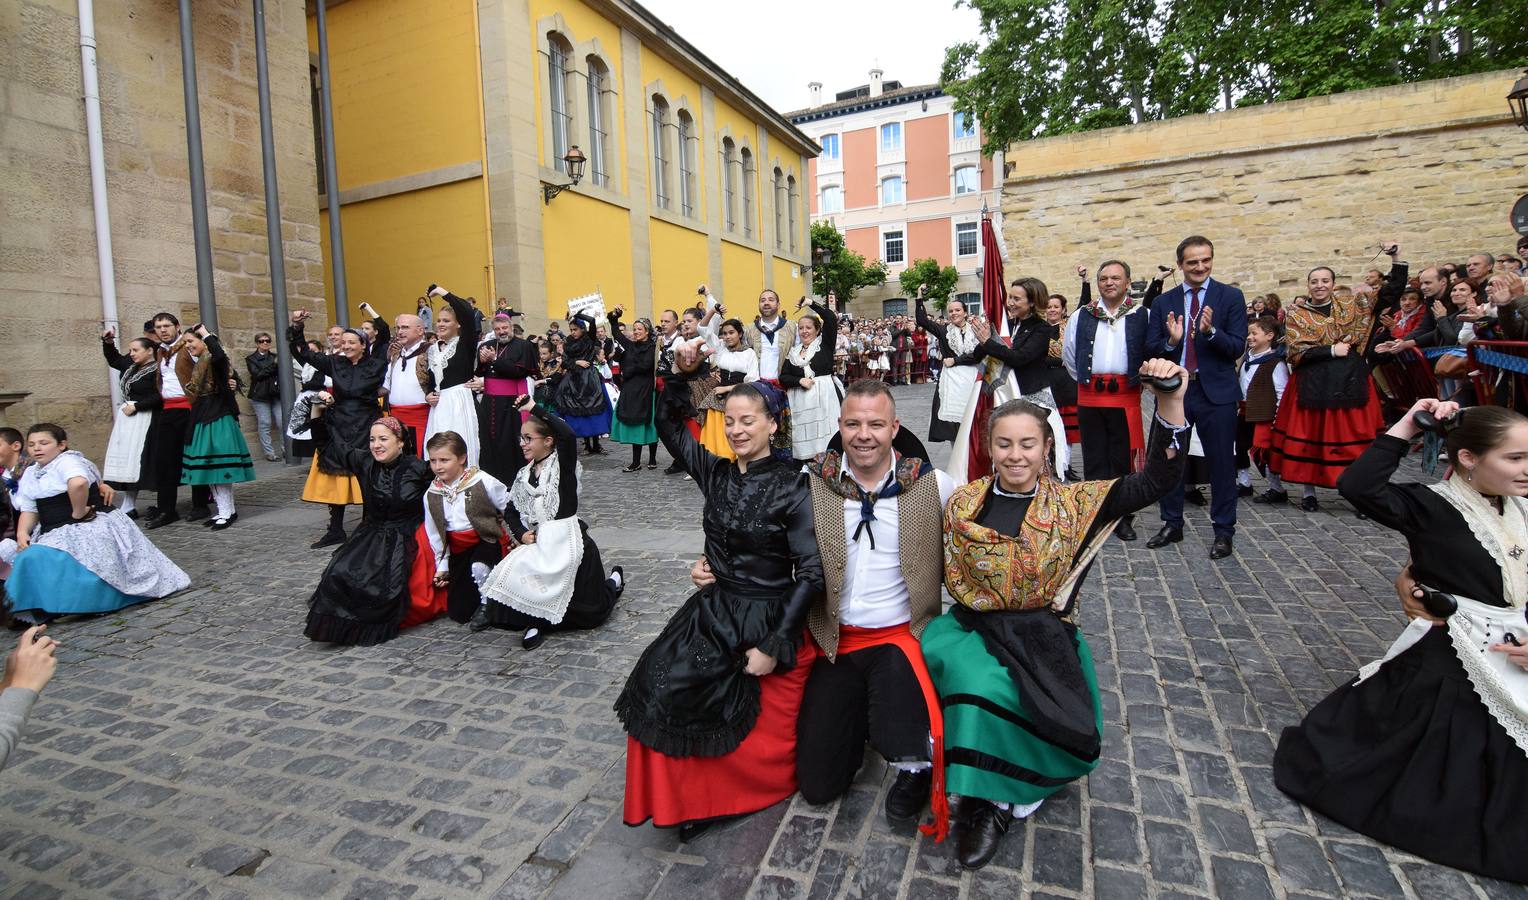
746,157
557,82
891,191
729,184
600,118
966,181
660,156
779,184
686,163
832,200
792,199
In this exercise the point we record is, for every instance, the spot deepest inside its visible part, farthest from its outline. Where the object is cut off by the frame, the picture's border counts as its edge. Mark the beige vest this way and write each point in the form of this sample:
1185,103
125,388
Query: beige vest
486,521
920,542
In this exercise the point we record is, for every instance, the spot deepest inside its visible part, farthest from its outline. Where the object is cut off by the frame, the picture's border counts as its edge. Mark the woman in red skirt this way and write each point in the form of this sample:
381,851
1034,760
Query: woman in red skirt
711,705
1330,412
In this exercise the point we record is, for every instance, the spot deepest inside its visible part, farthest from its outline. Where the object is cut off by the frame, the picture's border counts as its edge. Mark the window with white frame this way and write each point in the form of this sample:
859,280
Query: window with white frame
792,200
686,163
891,137
832,199
599,116
729,184
891,191
966,181
746,172
557,93
892,246
660,118
779,185
830,146
965,126
965,238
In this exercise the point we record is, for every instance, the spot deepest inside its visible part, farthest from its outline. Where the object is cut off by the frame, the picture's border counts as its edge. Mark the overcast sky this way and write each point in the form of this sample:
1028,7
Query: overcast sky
835,42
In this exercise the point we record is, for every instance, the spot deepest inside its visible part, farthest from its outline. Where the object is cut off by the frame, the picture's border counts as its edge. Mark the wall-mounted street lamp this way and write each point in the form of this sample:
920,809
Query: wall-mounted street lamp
574,162
1518,100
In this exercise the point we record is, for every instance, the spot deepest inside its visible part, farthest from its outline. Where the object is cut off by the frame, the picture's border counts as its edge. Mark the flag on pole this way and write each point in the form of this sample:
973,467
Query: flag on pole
978,462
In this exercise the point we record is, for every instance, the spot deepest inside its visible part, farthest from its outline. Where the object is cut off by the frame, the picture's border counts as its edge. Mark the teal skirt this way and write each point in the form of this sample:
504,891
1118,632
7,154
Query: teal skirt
217,454
639,435
990,748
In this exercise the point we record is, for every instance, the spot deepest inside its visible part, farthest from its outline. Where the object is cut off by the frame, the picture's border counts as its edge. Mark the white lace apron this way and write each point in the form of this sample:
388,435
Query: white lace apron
124,452
814,410
955,382
538,579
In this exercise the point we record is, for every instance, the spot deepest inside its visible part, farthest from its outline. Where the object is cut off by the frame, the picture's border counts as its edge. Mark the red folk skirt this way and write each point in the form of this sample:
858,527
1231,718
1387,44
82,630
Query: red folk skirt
426,601
672,790
1314,446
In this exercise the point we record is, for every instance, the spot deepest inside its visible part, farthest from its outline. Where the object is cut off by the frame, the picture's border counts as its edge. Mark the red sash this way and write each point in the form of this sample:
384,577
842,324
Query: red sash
177,402
415,416
851,639
1125,396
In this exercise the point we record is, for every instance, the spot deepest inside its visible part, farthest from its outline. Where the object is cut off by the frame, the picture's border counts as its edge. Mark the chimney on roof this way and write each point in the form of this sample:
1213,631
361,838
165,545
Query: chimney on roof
816,89
875,82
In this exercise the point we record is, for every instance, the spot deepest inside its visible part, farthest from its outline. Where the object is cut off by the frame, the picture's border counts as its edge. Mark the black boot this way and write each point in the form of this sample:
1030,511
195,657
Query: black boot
336,532
982,826
908,794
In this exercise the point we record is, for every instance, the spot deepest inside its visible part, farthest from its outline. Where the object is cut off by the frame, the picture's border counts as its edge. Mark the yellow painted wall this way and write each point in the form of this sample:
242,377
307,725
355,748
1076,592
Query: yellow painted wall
404,97
788,287
585,25
586,245
742,279
396,246
741,127
679,264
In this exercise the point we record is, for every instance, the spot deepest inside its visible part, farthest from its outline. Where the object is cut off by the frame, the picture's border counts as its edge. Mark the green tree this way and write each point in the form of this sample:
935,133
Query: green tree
844,271
940,281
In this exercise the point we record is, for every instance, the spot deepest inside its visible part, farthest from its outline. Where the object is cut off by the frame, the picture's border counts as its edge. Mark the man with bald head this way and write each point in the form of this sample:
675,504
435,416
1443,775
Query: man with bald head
404,385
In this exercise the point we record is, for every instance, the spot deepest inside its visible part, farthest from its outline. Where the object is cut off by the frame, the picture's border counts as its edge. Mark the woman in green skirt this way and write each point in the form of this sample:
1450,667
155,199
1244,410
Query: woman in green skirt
633,420
1013,672
215,454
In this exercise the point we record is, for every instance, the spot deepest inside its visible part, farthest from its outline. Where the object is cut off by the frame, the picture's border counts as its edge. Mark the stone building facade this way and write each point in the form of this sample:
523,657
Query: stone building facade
50,293
1279,188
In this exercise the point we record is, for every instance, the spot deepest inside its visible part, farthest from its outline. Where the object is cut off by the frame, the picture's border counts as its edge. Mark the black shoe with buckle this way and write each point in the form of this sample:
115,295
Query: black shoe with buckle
982,827
1168,535
908,794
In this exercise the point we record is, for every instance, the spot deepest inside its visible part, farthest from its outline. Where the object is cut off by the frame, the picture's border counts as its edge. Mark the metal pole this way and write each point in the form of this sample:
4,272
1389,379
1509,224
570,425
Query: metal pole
206,298
273,230
331,175
94,142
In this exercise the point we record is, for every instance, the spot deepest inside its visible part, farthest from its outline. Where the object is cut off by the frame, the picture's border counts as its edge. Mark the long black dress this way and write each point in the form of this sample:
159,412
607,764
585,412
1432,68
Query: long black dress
688,694
580,396
364,591
1411,756
593,594
498,420
347,423
141,389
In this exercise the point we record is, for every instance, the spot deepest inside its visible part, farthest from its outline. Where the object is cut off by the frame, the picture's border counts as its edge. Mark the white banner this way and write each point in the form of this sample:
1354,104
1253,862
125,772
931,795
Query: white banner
591,305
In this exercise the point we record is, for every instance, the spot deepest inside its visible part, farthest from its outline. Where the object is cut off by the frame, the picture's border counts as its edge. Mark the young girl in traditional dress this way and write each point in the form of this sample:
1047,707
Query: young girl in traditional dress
75,553
554,580
1022,715
363,595
807,374
216,453
735,363
463,523
129,453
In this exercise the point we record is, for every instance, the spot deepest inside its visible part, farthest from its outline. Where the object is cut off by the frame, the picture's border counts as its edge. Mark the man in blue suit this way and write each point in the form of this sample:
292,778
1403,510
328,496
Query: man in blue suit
1202,325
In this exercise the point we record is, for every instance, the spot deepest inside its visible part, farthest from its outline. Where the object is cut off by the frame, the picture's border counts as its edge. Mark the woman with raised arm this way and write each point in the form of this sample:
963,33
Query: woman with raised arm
554,579
581,399
1427,750
633,420
960,354
216,454
807,373
349,408
710,707
451,360
1021,710
130,453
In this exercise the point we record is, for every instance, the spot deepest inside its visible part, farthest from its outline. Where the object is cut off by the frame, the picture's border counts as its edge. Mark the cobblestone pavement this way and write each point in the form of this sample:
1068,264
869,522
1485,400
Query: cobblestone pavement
201,747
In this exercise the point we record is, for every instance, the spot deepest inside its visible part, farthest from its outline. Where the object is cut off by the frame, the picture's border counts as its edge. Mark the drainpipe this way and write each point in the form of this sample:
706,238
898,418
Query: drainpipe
98,179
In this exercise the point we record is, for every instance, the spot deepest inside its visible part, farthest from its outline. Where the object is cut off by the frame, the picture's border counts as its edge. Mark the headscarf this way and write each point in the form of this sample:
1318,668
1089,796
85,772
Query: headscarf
778,407
406,435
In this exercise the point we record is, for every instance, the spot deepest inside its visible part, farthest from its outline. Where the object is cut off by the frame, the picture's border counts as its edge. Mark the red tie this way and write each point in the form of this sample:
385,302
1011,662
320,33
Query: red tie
1190,329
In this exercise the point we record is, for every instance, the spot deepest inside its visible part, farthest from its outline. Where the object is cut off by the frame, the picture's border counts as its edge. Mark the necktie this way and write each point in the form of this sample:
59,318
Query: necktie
1191,330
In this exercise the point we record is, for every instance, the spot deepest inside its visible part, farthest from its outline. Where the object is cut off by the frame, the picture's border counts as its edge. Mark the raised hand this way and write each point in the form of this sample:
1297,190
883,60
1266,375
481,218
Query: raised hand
109,334
1206,320
1174,329
982,329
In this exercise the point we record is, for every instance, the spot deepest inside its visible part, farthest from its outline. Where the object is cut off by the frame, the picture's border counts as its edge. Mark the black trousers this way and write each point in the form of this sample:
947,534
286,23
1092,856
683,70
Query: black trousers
869,694
172,428
1105,443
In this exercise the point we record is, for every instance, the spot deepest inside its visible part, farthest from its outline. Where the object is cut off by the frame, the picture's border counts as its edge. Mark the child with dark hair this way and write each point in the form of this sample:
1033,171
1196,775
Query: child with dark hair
1264,374
463,524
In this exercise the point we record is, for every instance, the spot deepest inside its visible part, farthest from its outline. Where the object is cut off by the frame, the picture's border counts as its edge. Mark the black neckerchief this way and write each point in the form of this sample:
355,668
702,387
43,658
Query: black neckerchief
768,333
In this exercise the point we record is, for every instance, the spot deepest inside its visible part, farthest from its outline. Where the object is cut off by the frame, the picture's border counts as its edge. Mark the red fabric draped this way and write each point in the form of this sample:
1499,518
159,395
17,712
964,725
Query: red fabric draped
978,462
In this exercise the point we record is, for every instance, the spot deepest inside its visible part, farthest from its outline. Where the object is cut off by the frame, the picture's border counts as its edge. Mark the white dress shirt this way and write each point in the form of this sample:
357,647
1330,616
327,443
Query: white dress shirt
41,482
1111,353
1249,368
769,350
874,593
402,383
169,383
455,509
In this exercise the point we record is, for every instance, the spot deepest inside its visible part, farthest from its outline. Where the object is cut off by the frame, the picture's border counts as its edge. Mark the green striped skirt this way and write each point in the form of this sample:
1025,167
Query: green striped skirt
216,454
990,748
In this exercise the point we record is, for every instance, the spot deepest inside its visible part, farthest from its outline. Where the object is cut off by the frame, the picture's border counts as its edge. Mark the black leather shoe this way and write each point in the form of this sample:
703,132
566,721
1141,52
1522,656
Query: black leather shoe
1277,498
1221,548
197,514
981,832
1195,497
674,469
634,467
908,795
220,523
1244,490
1309,504
329,539
161,521
133,515
1168,535
534,638
1125,530
618,575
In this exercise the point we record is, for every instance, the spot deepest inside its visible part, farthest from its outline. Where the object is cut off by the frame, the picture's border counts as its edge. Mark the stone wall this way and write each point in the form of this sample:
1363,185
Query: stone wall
1279,188
49,287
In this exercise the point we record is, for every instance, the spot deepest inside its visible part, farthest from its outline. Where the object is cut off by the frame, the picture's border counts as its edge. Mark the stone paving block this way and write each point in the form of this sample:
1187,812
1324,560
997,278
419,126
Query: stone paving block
1242,879
1173,854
